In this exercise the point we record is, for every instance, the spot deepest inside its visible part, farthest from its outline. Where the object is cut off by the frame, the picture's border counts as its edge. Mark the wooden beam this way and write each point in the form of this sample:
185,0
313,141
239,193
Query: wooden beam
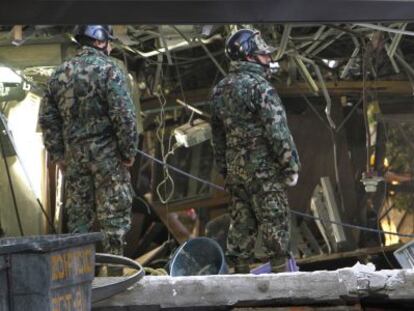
340,287
146,258
171,221
363,252
211,202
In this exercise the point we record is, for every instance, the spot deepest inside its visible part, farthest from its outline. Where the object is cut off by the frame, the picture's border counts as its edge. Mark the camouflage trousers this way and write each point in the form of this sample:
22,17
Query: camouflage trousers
257,205
98,197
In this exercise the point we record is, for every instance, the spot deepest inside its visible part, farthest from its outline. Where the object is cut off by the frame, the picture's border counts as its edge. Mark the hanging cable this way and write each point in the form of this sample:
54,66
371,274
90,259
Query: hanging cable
332,132
6,165
39,203
160,133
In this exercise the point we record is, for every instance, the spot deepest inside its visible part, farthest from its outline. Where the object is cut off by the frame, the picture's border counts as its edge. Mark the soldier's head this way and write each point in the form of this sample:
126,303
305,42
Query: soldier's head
248,45
97,36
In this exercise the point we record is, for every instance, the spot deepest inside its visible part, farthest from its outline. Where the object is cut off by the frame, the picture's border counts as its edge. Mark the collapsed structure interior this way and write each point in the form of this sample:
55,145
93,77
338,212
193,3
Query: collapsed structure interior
348,91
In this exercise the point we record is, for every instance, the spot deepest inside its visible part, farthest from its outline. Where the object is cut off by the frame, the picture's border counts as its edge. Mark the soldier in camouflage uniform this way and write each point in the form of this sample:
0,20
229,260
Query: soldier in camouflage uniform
254,151
89,129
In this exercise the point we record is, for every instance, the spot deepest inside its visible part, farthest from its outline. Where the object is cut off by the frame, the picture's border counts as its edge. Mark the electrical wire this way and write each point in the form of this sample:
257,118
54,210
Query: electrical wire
363,228
50,223
160,133
332,132
6,165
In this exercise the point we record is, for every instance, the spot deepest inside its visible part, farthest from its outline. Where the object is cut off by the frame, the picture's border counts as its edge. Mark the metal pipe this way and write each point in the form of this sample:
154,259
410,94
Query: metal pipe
395,42
320,38
283,41
406,65
198,111
157,77
349,63
392,59
387,29
172,47
213,59
164,44
319,32
324,46
172,108
306,74
211,56
324,90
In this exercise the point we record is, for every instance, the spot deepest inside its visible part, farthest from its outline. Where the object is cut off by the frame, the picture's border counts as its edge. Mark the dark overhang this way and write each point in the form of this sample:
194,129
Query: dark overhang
202,11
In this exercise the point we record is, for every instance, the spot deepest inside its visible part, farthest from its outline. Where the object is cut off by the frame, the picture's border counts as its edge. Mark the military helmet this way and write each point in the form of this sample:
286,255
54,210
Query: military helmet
246,42
97,32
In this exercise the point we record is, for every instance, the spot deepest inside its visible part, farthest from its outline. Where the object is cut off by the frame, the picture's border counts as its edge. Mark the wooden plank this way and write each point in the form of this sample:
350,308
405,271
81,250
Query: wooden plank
31,55
341,287
363,252
146,258
171,221
210,203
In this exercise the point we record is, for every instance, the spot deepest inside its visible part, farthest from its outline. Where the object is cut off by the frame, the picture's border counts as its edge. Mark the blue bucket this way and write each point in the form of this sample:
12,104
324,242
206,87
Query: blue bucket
198,256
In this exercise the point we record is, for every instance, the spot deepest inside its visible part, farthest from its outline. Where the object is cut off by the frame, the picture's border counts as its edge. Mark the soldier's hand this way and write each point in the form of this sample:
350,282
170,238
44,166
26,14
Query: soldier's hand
292,180
129,162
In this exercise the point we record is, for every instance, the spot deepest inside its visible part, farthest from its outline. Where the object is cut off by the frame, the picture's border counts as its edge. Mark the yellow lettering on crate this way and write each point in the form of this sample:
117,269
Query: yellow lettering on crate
69,302
57,267
78,304
72,263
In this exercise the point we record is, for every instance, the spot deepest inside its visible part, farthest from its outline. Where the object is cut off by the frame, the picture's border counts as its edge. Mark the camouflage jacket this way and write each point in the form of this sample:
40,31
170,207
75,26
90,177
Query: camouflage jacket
250,131
87,107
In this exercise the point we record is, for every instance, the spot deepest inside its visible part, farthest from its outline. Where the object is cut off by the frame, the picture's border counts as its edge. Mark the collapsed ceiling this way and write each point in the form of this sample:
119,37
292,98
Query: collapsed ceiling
319,66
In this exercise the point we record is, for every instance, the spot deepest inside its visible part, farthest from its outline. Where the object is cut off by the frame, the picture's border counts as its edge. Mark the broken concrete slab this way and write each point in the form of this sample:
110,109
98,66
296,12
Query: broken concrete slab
340,287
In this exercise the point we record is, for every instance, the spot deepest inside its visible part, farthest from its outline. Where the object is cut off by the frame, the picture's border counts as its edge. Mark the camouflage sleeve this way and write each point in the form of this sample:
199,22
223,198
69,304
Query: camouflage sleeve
122,112
219,140
273,116
50,122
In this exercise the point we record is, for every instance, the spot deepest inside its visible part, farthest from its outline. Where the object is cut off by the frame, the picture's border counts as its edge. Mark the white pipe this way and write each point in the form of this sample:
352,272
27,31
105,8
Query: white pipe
387,29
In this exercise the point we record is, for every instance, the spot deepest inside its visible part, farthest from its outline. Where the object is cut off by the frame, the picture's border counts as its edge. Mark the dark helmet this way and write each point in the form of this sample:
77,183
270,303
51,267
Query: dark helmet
246,42
97,32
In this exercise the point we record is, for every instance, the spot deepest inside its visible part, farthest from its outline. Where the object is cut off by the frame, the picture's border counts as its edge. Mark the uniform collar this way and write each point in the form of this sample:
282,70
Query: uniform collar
247,66
88,50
